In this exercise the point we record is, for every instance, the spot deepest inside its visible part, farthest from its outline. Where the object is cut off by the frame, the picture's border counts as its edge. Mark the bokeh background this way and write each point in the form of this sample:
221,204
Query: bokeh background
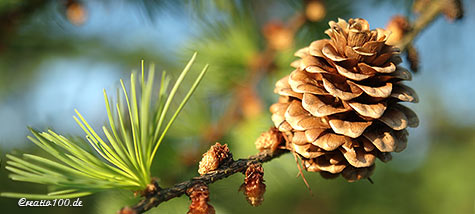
56,56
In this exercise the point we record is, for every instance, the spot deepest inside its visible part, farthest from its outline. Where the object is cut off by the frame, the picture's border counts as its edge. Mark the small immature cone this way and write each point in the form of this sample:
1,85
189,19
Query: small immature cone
269,140
315,10
214,157
199,195
253,186
398,25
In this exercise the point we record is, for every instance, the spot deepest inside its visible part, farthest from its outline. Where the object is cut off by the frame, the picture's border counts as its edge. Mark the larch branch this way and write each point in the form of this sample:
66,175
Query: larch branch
225,171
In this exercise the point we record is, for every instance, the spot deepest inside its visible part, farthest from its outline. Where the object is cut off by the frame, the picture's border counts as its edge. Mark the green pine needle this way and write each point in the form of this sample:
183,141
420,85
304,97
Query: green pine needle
122,159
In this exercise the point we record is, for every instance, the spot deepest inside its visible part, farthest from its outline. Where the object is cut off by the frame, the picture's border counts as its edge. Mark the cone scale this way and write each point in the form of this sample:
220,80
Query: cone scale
340,108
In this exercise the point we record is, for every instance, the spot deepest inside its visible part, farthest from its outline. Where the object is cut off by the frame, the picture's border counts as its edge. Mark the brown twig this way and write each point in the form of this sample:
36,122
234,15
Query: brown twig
225,171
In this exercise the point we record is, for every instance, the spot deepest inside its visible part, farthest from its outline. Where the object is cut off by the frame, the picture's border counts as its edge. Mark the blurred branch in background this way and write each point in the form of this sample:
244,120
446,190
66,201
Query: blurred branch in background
404,32
246,101
428,13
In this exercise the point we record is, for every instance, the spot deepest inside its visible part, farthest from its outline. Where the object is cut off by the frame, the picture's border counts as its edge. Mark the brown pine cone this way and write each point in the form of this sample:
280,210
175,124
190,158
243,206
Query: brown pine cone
340,107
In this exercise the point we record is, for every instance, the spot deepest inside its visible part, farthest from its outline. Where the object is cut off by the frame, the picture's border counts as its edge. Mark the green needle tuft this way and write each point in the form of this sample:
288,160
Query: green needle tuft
120,160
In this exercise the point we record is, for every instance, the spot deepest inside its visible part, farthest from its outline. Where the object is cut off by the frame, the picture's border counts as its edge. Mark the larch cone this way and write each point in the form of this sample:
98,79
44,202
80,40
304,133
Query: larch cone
340,108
